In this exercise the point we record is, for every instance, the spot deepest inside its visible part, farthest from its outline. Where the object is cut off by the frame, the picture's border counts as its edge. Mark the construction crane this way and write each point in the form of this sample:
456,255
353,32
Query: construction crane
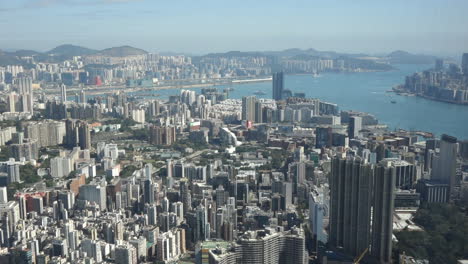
358,259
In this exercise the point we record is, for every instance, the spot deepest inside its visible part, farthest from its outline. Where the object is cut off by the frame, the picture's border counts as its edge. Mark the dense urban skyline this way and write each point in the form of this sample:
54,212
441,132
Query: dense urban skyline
198,27
115,152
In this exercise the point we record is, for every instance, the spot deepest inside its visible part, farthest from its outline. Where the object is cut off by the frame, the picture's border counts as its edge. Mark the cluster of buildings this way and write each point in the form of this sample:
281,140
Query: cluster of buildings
201,178
440,83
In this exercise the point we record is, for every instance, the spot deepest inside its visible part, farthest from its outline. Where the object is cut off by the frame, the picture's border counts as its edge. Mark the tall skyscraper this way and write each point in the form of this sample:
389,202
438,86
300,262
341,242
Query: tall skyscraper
355,125
148,191
24,85
258,112
444,167
125,254
278,85
248,108
162,135
350,204
84,134
317,209
464,64
439,64
12,100
63,90
71,134
382,212
357,189
25,91
82,96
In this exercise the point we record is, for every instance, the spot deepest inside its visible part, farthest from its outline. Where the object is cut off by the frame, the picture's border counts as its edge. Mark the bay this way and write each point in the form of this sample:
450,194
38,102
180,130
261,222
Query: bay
366,92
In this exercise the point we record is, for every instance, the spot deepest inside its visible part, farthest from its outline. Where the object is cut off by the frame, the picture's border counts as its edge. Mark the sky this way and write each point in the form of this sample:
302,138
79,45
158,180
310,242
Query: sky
434,27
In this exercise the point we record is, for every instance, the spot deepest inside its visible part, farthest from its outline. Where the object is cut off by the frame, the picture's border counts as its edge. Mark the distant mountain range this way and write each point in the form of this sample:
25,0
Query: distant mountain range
65,52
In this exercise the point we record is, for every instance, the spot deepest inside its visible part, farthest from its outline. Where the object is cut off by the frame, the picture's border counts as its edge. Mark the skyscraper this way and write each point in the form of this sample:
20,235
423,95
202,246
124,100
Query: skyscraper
357,189
248,108
63,90
382,214
125,254
355,125
278,85
350,204
26,93
464,64
71,134
444,167
162,135
148,193
84,134
258,112
82,96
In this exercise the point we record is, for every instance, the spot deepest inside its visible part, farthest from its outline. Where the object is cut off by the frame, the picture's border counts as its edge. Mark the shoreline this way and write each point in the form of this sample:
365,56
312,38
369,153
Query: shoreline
407,93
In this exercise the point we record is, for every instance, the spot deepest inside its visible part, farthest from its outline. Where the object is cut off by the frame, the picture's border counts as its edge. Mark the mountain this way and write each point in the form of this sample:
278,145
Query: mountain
403,57
70,51
9,59
25,53
122,51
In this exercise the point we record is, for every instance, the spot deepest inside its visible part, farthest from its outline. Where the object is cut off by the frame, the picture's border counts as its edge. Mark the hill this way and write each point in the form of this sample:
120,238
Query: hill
9,59
122,51
70,51
25,53
403,57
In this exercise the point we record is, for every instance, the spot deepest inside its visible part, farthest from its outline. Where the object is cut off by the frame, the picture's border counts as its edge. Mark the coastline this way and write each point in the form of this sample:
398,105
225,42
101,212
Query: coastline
401,92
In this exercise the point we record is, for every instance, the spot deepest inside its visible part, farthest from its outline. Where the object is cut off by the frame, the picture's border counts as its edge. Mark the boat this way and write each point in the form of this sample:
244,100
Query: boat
393,101
315,74
259,93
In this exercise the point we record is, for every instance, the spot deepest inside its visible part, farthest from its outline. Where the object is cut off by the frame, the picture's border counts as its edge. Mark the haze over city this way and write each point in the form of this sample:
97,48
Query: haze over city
200,27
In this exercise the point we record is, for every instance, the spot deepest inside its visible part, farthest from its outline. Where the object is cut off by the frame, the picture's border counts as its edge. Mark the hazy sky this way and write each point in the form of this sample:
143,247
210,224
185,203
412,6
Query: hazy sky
200,26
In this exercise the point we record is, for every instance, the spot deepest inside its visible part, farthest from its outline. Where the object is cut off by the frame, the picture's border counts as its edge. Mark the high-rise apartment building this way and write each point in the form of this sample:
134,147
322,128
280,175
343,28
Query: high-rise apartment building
248,108
125,254
71,136
350,204
24,85
84,134
63,92
93,193
162,135
360,192
382,212
278,85
464,64
354,126
443,174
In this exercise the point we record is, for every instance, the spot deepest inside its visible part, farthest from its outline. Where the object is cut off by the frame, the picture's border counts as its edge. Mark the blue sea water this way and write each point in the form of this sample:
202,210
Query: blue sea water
366,92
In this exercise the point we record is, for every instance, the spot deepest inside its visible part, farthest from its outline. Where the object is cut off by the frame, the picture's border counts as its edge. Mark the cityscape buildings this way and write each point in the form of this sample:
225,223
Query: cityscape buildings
278,85
125,156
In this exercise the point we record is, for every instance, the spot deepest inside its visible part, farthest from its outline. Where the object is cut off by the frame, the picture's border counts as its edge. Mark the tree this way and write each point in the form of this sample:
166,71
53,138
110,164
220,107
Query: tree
127,171
28,174
444,239
5,153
